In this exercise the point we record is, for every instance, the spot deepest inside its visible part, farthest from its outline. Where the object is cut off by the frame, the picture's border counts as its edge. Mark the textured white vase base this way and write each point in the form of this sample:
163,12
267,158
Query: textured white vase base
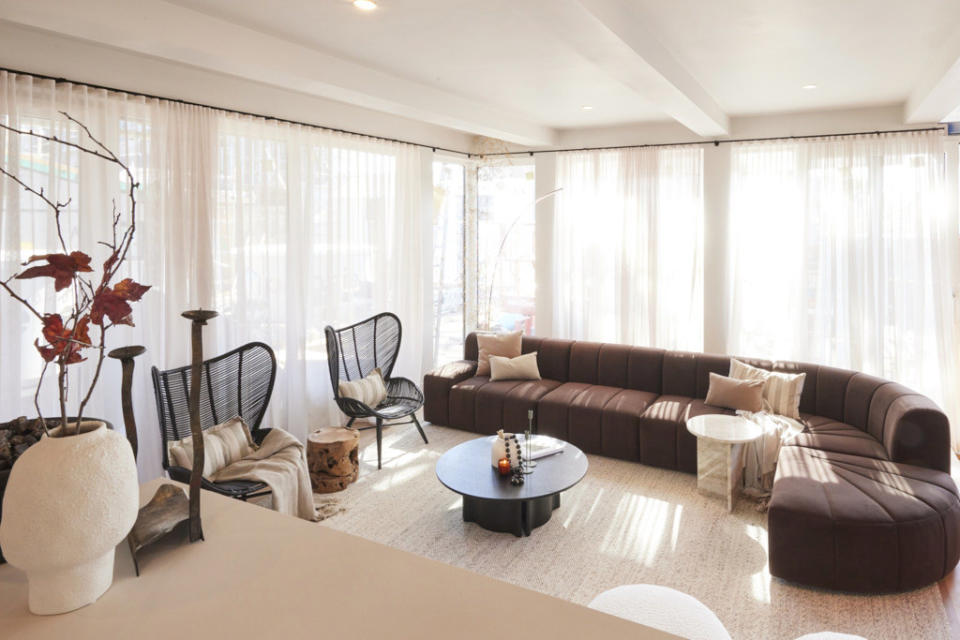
62,590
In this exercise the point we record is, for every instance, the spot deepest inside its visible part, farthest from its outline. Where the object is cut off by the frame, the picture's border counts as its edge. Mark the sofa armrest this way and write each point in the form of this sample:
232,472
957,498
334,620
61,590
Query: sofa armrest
917,432
436,389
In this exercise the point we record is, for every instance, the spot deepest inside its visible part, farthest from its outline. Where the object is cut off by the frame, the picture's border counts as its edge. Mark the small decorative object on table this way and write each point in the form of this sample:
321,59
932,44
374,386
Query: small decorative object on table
528,463
508,443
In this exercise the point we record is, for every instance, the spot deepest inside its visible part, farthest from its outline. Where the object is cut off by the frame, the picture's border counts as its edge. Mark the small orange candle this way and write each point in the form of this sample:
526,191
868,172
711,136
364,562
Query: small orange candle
504,465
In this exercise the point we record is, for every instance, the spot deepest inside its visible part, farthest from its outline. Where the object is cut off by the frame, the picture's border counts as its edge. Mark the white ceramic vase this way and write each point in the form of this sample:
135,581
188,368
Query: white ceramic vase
69,502
498,450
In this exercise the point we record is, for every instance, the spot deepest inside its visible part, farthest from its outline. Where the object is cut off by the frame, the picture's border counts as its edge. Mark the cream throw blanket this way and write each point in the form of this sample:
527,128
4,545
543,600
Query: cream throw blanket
280,463
761,456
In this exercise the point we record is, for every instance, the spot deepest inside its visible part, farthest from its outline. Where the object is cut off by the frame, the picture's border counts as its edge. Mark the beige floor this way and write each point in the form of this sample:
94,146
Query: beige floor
624,523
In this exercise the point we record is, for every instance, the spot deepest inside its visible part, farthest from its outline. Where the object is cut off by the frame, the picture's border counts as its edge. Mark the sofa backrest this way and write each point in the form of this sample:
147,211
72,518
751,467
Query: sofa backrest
846,396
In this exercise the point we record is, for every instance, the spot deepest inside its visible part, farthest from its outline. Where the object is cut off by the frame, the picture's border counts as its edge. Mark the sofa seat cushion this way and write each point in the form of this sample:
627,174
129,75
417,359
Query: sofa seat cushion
463,402
661,426
522,398
619,423
586,417
829,435
861,524
553,411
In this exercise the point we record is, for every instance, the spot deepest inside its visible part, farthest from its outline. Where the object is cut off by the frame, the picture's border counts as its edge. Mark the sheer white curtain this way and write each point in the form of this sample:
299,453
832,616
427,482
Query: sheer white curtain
283,229
842,252
314,228
628,240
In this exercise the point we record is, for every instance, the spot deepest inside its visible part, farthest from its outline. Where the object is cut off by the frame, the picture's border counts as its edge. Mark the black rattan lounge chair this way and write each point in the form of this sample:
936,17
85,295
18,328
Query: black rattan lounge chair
236,384
353,352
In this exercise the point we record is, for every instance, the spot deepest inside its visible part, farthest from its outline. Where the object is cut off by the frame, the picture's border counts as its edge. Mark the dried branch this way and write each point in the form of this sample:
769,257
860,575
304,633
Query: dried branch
13,294
96,374
56,206
63,345
36,398
66,143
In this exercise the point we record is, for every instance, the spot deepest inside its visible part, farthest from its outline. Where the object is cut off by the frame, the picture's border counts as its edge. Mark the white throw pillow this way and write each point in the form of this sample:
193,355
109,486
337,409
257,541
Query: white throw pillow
369,390
781,391
507,345
223,445
520,368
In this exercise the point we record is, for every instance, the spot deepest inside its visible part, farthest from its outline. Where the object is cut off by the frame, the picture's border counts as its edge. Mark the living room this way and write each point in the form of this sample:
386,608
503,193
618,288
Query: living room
404,318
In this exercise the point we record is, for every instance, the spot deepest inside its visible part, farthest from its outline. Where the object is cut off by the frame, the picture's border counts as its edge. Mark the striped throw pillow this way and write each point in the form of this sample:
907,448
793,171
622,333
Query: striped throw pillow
781,391
223,445
369,390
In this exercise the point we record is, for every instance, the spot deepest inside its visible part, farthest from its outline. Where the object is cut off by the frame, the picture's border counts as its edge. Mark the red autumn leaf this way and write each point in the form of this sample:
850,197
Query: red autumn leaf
113,302
109,262
81,332
53,328
47,353
130,290
60,266
62,340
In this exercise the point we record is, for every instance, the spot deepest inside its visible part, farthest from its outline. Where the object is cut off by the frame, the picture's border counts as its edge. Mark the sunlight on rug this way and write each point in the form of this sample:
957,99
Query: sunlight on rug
625,523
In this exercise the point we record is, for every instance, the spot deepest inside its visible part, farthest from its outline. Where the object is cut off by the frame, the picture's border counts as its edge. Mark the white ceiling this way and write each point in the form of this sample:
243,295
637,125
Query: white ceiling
479,49
521,69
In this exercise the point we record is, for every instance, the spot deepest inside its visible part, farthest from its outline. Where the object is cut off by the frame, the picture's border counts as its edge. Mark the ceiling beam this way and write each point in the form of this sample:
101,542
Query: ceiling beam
611,34
171,32
936,97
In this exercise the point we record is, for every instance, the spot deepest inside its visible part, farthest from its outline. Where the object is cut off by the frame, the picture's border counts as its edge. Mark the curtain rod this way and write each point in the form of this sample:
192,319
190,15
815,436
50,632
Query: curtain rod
715,143
462,153
235,111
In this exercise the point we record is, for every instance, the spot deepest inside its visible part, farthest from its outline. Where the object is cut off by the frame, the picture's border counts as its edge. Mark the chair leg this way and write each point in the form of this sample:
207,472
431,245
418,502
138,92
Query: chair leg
350,422
419,428
379,442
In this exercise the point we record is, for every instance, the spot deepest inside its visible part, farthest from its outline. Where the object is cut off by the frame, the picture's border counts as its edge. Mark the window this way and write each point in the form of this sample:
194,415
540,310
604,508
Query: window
449,211
506,249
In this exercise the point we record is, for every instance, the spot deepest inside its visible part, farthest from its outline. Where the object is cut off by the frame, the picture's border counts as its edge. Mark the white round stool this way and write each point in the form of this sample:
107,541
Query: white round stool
662,608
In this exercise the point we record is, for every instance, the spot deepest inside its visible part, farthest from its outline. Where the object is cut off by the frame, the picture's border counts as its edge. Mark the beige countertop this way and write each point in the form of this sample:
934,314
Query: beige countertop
262,575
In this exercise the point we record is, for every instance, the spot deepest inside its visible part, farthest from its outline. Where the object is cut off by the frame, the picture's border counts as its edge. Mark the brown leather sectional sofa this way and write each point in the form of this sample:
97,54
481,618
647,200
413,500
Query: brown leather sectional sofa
862,500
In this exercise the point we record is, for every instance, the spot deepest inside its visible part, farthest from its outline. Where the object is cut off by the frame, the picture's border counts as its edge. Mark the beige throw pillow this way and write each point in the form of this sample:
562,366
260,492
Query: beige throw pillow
369,390
746,395
223,445
781,391
497,344
520,368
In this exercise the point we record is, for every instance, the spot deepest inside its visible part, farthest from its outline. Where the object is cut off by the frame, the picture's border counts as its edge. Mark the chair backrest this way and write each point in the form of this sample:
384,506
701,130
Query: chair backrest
236,384
354,351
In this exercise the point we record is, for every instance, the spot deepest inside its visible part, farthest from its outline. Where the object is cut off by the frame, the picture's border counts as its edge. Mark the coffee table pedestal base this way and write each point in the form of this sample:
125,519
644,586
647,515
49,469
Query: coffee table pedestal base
518,517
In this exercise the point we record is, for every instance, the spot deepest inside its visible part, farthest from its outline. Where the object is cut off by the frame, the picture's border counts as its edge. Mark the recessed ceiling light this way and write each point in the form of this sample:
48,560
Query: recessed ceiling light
586,107
808,87
365,5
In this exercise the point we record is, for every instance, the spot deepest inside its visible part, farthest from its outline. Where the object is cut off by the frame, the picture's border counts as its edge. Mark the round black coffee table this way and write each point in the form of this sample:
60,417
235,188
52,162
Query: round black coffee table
492,502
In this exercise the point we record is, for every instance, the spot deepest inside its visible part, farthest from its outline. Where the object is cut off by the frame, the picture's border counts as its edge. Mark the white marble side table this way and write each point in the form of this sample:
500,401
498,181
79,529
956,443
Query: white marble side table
721,442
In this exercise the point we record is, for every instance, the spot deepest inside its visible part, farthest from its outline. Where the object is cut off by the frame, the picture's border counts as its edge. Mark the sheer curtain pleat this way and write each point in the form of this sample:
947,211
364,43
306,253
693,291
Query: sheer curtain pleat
842,252
628,237
281,228
313,228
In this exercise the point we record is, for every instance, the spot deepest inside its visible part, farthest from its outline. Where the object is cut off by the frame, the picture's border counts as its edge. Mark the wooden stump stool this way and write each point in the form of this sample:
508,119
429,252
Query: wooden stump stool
333,458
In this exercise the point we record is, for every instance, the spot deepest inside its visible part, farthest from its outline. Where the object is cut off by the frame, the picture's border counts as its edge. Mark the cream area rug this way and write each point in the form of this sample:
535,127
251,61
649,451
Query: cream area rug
625,523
